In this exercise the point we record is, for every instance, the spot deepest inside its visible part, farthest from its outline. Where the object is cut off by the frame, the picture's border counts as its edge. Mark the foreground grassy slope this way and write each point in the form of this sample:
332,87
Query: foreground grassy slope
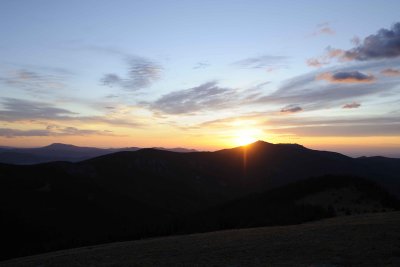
359,240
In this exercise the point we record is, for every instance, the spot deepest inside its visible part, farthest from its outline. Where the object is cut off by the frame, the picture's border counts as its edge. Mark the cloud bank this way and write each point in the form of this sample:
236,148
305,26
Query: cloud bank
346,77
384,44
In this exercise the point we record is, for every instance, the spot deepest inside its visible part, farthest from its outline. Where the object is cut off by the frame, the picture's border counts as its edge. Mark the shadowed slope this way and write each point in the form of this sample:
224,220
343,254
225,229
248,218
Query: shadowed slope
362,240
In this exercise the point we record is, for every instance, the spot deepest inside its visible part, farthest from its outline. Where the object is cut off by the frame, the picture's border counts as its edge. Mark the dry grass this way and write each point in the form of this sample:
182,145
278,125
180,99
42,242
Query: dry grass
360,240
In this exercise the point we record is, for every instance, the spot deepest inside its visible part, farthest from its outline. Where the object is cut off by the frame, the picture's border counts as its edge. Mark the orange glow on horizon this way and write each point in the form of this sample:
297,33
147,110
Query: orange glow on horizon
217,140
246,136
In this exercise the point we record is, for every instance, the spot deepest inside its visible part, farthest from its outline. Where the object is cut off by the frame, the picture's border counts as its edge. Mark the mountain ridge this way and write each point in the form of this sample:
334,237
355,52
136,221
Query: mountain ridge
63,152
149,192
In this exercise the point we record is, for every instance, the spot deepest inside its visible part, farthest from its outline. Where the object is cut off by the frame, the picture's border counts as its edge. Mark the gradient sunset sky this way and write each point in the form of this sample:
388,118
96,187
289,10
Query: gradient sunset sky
201,74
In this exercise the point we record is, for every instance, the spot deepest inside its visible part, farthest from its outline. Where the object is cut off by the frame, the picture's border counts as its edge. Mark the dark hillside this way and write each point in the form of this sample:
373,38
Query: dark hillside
357,240
149,192
306,200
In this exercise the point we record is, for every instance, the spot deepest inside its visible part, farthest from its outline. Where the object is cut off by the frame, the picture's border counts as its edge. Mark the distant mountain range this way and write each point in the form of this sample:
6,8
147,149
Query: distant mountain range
62,152
149,192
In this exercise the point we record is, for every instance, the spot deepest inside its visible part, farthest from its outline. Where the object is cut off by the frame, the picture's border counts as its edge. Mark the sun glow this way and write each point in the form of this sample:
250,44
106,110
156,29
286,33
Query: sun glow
245,137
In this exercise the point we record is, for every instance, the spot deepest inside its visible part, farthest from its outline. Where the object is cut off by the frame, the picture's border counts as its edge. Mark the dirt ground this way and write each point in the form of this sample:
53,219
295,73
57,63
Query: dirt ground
360,240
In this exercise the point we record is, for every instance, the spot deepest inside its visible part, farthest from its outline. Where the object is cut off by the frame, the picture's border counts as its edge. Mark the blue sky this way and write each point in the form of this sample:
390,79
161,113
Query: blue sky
200,73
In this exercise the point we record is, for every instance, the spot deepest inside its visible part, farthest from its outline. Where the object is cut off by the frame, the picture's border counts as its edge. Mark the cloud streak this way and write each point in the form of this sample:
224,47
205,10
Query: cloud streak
351,105
33,81
310,94
391,72
16,110
201,65
342,130
261,62
142,73
306,91
205,96
384,125
291,109
323,28
50,131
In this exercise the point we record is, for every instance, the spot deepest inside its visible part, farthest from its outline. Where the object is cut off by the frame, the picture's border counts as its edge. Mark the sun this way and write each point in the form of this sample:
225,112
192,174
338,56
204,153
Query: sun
245,137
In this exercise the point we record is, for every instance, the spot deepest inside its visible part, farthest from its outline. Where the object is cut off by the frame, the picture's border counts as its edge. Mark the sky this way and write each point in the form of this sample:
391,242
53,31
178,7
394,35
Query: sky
201,74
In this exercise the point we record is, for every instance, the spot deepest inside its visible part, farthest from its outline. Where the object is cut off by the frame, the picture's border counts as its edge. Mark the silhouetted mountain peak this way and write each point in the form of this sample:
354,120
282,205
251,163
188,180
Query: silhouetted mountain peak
293,145
256,144
260,144
60,146
176,149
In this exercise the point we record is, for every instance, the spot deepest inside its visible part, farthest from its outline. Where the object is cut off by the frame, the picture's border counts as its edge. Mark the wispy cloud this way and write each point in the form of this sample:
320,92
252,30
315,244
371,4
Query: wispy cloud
51,131
33,81
10,133
343,85
142,73
383,125
287,121
342,130
323,28
352,105
315,62
291,109
268,119
261,62
326,59
205,96
391,72
306,91
17,110
201,65
111,79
